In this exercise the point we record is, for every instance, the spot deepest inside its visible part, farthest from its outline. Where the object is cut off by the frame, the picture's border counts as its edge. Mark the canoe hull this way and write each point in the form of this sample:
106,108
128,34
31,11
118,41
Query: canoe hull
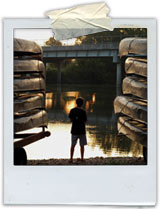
131,107
29,102
25,46
32,84
38,119
29,66
136,66
133,130
136,46
135,86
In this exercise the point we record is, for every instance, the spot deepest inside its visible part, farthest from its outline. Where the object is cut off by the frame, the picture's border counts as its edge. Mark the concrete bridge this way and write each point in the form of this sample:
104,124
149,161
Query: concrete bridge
56,54
110,49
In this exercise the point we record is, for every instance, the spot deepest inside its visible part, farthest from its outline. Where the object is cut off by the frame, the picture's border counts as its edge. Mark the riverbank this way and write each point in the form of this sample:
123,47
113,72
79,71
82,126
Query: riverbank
91,161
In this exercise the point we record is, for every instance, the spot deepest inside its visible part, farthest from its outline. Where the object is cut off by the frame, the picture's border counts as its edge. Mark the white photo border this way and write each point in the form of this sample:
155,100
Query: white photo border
85,185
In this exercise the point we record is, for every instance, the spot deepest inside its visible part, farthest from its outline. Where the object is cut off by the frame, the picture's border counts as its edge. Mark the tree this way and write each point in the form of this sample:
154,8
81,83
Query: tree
116,35
53,42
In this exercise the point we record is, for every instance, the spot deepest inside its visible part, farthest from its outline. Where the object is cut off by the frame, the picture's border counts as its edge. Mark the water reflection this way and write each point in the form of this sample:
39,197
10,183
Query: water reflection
112,145
101,125
49,100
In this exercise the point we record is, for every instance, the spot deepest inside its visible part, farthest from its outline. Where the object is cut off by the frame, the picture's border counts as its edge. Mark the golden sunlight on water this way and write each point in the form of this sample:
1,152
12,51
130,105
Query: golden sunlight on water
69,105
49,100
58,145
93,98
100,129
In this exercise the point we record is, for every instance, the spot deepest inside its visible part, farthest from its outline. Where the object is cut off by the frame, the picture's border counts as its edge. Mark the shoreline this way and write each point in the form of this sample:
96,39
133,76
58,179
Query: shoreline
91,161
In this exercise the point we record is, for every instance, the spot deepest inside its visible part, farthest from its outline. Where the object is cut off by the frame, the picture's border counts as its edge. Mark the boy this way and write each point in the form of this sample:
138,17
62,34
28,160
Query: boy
78,118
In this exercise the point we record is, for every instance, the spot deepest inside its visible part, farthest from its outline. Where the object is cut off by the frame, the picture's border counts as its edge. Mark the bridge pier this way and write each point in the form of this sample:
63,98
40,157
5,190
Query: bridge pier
118,79
59,72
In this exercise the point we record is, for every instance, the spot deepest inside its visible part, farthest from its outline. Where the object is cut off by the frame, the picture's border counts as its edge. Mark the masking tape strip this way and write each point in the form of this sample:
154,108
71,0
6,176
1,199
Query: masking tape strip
80,20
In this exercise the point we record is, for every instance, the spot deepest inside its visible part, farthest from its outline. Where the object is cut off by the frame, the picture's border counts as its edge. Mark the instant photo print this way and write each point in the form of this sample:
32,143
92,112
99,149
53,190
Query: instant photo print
80,112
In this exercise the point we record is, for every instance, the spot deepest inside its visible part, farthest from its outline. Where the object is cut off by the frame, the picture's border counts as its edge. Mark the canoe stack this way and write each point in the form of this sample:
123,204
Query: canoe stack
131,107
29,86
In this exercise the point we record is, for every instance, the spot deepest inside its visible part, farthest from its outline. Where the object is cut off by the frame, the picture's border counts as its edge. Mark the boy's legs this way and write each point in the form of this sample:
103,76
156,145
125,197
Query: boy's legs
83,142
72,152
74,139
82,151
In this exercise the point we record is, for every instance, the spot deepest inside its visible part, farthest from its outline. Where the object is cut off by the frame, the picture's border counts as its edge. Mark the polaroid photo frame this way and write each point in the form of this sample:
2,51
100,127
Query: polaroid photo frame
116,185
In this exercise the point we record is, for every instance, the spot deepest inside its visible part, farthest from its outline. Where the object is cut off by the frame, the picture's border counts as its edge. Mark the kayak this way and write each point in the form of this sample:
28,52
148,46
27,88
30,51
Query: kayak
131,107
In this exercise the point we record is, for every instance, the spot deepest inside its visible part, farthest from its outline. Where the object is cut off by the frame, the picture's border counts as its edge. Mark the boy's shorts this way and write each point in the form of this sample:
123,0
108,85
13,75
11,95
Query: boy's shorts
82,139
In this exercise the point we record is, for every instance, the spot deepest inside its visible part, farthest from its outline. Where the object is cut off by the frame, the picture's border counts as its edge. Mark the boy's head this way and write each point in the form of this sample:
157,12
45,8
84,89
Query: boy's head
79,101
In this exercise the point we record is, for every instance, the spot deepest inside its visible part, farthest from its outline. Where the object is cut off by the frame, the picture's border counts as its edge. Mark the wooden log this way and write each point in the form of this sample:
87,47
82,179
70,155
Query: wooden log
134,130
29,66
25,46
31,139
24,123
29,102
135,86
31,84
133,46
136,66
131,107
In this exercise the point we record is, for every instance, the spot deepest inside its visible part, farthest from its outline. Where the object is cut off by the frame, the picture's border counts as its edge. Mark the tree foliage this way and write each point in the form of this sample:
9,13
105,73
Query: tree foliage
84,71
92,71
116,35
53,42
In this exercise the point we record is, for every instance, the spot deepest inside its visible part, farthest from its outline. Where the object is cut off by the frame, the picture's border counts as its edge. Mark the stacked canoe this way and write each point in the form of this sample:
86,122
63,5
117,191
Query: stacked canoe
29,86
131,107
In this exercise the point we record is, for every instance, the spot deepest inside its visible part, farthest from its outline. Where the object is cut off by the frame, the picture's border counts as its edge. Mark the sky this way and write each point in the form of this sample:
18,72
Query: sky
38,35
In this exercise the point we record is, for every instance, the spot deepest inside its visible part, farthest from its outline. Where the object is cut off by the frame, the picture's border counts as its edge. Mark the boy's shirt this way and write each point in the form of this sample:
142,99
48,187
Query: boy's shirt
78,117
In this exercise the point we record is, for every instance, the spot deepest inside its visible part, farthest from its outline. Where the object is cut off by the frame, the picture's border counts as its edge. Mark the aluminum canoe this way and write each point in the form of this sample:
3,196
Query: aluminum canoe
135,86
29,66
136,66
29,102
28,121
136,109
32,84
25,46
135,46
134,130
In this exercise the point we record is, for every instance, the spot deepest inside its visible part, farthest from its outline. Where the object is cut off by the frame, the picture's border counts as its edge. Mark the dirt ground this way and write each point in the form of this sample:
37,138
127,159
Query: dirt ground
91,161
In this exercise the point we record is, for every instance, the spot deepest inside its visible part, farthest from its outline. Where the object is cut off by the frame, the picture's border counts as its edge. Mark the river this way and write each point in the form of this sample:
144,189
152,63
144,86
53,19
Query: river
101,129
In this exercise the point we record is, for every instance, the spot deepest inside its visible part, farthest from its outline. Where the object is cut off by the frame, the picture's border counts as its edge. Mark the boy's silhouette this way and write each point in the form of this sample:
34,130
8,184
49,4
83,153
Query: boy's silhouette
78,117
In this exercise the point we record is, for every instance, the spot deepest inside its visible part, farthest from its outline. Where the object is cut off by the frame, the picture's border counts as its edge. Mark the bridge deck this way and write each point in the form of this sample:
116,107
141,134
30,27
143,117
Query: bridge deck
109,49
